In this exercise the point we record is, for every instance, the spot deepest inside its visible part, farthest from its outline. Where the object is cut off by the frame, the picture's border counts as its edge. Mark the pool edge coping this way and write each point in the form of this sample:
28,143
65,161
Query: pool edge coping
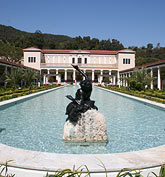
44,161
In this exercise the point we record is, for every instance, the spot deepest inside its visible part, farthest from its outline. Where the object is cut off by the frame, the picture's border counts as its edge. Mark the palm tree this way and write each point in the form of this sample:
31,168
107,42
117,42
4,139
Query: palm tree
29,76
14,77
142,78
139,79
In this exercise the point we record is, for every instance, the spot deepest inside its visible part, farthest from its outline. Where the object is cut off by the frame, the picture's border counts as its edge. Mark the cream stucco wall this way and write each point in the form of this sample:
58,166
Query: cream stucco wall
95,59
120,58
91,59
36,54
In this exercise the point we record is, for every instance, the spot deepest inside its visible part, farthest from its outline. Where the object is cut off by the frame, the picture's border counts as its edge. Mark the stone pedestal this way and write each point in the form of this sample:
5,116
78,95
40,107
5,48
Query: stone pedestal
91,127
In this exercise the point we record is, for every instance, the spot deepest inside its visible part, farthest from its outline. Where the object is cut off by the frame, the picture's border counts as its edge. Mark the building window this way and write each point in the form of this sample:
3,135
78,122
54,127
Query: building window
31,59
73,60
79,60
85,60
126,60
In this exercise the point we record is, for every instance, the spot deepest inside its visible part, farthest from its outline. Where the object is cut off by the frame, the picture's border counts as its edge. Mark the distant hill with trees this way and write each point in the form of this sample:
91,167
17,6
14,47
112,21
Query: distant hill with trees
149,54
12,41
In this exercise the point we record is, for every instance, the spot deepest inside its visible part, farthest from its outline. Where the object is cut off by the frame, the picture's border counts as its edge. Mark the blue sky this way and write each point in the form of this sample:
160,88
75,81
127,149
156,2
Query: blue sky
132,22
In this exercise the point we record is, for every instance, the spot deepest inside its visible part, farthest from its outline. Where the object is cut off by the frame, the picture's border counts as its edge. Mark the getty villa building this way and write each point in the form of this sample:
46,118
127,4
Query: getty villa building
56,65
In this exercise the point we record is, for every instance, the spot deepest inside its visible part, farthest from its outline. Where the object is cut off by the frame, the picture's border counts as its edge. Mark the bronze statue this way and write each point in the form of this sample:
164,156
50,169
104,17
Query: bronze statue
81,103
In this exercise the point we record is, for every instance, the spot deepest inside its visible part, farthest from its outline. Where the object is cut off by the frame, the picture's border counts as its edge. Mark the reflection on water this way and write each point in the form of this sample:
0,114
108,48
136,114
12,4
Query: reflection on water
2,129
77,148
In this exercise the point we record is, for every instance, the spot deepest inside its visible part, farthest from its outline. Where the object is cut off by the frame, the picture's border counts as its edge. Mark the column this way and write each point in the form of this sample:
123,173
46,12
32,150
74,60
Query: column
110,76
123,82
84,72
129,75
152,86
114,80
159,80
93,75
118,79
44,79
101,76
65,75
74,76
57,76
126,82
47,77
121,76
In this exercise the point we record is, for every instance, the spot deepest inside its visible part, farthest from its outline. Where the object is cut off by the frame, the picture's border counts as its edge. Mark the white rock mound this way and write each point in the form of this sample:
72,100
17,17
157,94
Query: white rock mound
91,127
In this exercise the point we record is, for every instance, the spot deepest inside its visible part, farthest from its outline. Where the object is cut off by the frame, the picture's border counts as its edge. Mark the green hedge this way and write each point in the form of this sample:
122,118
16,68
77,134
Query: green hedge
6,95
157,95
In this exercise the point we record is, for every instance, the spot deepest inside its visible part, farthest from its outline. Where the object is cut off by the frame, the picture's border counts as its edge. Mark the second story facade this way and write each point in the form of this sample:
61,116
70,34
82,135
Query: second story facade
50,58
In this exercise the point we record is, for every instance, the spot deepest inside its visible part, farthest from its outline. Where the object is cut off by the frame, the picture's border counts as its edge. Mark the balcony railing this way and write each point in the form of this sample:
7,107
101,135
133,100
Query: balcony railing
68,65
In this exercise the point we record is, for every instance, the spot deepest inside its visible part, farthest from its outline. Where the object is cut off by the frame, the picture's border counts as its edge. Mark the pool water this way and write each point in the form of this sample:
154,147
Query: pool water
37,124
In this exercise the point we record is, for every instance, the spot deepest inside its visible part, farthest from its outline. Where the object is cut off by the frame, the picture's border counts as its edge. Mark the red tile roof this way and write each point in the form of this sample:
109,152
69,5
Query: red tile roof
79,51
56,51
14,64
102,51
152,64
156,63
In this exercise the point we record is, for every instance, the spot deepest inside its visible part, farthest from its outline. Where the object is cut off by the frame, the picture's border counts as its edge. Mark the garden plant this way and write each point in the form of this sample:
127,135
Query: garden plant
138,84
85,172
19,82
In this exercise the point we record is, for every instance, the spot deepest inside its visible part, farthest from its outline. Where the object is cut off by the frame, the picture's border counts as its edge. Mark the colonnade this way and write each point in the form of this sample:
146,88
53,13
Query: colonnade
154,72
95,75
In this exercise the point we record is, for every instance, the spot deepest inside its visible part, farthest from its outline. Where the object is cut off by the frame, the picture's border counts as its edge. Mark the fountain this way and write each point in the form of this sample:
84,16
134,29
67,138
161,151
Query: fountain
84,122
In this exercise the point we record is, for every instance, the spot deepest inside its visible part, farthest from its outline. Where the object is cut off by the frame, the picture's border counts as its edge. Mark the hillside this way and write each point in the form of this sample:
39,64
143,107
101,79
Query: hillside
23,39
12,41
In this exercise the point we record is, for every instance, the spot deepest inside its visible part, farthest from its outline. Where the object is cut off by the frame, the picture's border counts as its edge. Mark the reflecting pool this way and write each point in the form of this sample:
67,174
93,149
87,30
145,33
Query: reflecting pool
37,124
